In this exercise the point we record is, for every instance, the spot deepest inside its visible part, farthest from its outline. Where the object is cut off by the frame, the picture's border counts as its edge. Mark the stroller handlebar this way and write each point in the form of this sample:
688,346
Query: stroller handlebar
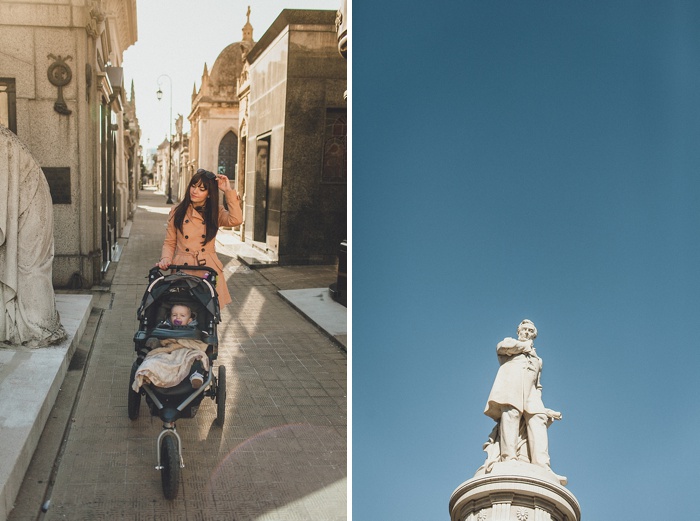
156,272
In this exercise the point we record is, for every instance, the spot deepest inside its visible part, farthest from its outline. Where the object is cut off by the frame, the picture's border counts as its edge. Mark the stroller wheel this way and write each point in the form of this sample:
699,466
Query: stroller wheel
134,402
221,396
170,461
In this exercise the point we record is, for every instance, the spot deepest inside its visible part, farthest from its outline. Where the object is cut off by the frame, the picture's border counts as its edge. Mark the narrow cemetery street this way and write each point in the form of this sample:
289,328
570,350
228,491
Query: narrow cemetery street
281,453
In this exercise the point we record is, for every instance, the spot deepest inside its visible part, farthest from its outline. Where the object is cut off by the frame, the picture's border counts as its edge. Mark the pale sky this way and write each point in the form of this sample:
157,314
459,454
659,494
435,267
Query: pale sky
177,37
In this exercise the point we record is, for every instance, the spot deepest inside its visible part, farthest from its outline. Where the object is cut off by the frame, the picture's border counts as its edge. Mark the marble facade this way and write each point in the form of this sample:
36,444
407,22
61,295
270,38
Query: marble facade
71,110
294,121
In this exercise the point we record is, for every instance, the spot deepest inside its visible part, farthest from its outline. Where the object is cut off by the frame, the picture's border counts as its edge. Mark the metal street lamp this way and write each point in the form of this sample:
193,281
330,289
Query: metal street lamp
159,93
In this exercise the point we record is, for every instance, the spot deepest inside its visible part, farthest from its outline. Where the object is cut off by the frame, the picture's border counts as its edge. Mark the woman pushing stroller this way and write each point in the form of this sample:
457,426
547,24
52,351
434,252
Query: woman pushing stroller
173,368
193,224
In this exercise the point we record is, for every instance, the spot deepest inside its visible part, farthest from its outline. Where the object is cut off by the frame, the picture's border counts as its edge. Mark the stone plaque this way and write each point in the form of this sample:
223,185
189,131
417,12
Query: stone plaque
59,183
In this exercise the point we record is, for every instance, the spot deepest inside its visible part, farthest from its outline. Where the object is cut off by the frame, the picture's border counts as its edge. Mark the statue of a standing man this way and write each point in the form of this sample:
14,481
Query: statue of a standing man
516,396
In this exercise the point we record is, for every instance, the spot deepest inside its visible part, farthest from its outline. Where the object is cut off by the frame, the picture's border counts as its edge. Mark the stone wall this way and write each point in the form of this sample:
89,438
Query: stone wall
62,130
296,76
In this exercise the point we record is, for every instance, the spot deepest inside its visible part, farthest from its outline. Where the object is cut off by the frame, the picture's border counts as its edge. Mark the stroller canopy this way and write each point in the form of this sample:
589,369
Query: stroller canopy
180,287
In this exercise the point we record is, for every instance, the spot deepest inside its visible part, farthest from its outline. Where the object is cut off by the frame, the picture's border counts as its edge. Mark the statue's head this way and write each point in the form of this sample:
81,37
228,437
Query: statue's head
527,330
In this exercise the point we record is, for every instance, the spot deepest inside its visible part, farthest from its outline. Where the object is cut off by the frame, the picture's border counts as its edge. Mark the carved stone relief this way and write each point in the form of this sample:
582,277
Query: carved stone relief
60,75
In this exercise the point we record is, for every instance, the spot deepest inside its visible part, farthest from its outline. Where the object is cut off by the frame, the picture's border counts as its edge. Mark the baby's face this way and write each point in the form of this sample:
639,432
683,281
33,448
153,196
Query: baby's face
180,316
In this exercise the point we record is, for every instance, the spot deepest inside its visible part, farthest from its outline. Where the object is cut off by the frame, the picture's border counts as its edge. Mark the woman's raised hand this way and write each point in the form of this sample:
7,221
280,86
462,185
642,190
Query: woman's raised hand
224,183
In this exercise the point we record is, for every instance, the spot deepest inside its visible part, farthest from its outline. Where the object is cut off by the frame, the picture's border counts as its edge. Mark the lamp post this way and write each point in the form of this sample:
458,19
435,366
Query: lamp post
159,93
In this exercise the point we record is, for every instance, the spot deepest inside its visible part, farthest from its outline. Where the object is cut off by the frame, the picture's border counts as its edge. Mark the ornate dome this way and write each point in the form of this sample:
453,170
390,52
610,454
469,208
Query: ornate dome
222,81
228,65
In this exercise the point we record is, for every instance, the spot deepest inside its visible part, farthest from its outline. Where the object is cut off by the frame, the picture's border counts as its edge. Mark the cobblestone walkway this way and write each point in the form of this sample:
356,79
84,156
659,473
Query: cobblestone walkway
281,454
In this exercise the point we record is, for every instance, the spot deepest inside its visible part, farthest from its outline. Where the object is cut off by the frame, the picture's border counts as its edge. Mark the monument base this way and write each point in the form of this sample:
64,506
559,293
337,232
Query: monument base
513,491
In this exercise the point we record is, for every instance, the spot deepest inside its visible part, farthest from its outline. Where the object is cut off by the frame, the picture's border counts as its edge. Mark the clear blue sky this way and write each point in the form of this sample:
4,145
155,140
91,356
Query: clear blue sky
520,160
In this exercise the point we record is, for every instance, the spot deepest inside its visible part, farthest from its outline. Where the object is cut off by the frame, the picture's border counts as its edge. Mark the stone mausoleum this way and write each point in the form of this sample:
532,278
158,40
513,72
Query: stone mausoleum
214,114
293,140
62,94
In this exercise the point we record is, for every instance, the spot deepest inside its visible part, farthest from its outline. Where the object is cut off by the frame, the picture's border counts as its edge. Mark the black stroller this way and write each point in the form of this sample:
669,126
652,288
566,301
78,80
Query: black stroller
180,401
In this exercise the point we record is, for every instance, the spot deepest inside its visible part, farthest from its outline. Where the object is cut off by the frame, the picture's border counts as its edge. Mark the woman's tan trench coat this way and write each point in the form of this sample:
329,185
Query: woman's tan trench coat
187,248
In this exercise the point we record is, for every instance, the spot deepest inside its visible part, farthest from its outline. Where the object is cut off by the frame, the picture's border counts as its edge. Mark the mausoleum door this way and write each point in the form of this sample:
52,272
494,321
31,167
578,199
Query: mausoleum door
107,188
262,175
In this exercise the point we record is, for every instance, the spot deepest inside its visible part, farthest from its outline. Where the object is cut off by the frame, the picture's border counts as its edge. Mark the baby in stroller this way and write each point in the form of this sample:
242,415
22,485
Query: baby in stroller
170,360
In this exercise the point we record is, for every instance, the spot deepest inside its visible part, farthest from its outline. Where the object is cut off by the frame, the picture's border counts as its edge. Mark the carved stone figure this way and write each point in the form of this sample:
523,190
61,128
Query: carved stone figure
28,313
515,402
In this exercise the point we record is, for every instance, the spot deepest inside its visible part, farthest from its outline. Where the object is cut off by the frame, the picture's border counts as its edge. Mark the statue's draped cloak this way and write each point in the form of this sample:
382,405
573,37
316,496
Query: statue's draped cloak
28,315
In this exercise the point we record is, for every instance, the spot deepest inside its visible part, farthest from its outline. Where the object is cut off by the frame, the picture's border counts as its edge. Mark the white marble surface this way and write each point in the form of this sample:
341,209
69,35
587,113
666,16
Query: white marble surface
30,379
318,305
514,490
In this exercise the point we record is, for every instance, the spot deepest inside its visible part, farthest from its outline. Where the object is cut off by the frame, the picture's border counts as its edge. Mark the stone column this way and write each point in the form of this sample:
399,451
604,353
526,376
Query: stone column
513,491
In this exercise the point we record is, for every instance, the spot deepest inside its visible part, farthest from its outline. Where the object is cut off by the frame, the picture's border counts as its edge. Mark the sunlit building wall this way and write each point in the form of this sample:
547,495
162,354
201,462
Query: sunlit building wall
62,91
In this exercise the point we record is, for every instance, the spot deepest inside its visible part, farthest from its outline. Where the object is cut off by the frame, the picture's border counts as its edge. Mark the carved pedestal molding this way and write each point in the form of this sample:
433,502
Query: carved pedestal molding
513,492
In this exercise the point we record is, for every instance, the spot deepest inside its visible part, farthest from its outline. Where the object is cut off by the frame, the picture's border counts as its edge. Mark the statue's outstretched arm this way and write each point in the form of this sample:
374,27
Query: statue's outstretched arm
512,346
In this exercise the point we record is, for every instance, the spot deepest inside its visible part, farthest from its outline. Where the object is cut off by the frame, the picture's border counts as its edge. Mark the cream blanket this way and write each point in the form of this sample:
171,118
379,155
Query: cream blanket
168,365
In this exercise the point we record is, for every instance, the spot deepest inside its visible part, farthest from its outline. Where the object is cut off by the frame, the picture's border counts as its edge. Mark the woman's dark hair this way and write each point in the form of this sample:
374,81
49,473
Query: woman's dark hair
211,205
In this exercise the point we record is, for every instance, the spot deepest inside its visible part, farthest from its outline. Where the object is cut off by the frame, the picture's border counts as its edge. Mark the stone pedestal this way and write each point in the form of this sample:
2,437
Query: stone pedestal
513,491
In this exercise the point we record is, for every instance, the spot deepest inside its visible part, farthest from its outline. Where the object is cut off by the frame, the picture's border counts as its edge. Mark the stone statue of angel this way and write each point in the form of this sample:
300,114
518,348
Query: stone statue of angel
28,313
